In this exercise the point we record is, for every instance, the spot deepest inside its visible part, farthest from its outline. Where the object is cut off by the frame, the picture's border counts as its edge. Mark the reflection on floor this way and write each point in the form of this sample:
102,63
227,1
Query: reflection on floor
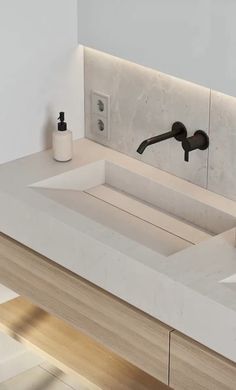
45,377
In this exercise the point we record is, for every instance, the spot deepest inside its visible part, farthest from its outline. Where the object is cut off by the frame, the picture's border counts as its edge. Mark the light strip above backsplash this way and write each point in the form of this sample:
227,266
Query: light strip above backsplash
145,102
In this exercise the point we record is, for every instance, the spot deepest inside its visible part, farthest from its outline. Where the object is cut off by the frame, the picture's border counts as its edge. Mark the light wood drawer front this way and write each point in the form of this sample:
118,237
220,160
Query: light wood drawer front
128,332
71,350
195,367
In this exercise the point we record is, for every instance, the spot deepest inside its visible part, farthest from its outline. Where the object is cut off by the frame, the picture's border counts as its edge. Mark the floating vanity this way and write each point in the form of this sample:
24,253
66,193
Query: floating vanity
142,237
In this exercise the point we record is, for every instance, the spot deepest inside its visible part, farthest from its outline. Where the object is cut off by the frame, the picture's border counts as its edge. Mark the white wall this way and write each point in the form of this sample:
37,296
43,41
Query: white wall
193,40
40,73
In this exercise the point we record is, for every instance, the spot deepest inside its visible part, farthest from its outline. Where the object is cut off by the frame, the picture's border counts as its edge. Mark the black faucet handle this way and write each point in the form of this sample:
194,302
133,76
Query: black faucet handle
186,155
179,131
199,140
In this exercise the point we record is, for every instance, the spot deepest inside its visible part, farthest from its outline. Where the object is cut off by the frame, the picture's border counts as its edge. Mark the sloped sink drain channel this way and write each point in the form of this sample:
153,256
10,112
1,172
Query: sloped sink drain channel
174,219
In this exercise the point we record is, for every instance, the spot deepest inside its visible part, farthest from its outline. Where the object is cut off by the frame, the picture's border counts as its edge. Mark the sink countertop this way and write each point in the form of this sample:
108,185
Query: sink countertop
183,289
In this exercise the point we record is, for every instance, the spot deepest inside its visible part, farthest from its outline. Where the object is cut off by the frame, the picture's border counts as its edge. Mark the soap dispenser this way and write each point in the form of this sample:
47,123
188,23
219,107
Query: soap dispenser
62,141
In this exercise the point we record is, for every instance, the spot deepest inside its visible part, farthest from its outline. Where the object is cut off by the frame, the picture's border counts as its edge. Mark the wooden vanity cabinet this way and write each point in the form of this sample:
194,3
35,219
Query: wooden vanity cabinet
71,350
195,367
107,342
118,327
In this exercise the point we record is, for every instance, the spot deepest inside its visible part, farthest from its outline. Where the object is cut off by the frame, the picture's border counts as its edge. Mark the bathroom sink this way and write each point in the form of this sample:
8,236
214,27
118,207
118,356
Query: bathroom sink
141,208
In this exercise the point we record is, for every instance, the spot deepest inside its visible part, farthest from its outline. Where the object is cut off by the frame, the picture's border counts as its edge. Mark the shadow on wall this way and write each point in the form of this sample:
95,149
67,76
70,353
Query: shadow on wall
48,127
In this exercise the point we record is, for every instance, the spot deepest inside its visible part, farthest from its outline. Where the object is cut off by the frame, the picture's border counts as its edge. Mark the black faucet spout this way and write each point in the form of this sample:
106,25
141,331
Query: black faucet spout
178,132
153,140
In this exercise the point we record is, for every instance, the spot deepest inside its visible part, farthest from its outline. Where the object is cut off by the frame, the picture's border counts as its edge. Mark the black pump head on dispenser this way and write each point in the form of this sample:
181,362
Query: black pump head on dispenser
62,125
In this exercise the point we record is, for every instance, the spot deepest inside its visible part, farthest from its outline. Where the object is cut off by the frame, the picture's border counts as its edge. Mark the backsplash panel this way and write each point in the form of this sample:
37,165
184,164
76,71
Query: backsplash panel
145,102
222,159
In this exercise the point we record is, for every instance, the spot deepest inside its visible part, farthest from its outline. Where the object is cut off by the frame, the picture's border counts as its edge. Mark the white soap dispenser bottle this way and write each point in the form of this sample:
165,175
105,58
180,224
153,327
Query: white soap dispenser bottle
62,141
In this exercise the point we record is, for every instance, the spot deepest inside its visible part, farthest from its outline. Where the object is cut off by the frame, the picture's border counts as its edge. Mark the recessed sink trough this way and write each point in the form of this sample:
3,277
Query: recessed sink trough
139,207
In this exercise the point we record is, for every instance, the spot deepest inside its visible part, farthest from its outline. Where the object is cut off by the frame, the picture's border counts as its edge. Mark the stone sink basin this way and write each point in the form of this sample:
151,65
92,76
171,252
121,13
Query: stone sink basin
141,208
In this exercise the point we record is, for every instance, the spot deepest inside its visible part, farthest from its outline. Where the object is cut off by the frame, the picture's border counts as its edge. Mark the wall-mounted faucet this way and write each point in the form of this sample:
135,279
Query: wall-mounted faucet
199,140
178,132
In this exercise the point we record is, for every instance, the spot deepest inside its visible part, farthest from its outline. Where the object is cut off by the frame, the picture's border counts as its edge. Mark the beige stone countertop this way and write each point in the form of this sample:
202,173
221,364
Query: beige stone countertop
106,246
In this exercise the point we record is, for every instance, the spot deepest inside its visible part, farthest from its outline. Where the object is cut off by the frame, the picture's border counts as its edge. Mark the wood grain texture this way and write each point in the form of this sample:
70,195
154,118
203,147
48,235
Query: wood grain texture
128,332
195,367
70,349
